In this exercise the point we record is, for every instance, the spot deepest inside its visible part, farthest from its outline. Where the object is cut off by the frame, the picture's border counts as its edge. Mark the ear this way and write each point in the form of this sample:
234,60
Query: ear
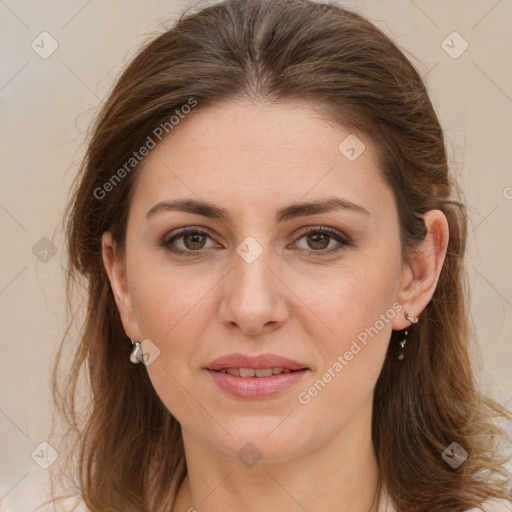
117,276
421,274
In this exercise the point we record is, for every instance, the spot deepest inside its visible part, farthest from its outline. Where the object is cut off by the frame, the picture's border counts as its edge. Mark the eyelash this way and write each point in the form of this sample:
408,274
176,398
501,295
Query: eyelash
332,233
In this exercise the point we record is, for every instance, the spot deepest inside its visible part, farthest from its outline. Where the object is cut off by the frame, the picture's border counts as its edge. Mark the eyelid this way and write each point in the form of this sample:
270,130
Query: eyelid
175,233
333,232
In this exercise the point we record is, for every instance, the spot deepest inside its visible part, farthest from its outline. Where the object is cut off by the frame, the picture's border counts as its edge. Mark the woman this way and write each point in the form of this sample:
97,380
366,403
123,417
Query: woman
273,255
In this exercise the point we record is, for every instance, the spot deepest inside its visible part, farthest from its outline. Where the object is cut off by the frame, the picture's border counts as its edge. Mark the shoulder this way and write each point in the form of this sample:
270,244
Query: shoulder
494,506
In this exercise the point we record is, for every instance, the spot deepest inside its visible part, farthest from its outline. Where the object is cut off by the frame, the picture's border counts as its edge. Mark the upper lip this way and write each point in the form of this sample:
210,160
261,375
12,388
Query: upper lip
256,362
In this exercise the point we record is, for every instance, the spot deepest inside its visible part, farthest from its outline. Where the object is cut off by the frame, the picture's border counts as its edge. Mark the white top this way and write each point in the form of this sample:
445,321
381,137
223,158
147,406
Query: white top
385,505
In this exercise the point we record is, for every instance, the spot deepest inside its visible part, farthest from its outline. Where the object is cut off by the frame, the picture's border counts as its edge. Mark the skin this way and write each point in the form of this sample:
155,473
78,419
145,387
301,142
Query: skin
252,159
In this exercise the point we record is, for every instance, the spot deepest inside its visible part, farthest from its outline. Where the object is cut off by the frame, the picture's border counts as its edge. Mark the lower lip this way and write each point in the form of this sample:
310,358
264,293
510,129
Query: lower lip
256,387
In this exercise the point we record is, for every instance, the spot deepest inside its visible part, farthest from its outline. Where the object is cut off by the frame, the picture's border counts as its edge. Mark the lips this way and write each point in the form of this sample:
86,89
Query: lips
262,361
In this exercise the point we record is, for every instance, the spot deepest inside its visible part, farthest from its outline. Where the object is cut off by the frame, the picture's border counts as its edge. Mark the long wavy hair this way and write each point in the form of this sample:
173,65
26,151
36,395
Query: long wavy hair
125,447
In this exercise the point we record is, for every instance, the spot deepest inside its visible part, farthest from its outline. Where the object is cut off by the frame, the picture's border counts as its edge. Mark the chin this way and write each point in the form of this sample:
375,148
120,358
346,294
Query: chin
251,445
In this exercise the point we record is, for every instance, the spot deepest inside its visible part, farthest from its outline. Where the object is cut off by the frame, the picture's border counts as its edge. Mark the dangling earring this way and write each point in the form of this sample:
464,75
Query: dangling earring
136,352
401,352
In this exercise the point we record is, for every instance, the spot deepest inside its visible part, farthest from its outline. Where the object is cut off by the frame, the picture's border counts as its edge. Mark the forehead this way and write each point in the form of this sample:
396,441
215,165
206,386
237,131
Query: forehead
261,153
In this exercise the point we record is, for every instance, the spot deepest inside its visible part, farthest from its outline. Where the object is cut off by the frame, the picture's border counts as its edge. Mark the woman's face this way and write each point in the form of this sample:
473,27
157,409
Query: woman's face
318,286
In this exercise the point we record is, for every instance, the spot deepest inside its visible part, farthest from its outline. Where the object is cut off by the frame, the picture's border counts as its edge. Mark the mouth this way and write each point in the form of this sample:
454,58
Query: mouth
256,383
256,372
256,376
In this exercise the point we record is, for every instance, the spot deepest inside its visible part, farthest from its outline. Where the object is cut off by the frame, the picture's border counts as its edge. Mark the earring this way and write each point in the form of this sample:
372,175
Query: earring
136,352
401,352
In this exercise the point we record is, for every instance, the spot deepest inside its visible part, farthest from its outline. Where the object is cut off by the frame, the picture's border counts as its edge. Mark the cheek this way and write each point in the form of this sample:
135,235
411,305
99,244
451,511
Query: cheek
349,303
173,309
358,306
171,312
169,302
358,311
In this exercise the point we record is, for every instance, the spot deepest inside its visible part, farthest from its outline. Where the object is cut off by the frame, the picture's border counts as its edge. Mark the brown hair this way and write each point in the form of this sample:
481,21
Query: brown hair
128,448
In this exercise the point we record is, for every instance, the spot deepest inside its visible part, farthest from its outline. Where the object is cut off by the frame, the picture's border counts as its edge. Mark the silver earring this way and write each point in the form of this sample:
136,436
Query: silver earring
136,352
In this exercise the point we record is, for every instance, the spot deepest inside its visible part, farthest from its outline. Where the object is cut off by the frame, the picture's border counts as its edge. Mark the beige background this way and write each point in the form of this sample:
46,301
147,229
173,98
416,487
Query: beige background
47,104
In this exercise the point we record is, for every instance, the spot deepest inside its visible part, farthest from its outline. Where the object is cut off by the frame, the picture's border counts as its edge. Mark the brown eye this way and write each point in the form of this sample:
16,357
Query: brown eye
318,241
194,241
187,242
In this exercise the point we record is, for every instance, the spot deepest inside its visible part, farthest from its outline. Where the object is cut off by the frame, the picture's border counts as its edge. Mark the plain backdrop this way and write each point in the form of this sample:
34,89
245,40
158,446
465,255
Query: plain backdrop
58,62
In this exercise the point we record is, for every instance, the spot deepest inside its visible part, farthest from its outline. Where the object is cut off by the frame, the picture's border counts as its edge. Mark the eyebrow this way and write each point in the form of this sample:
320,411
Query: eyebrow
288,212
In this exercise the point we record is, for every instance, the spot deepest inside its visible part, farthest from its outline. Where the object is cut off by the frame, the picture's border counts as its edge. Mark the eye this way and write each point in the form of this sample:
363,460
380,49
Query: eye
191,240
319,239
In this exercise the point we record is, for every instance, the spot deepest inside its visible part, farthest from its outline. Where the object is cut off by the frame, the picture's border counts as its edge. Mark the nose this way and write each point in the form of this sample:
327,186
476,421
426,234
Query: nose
254,296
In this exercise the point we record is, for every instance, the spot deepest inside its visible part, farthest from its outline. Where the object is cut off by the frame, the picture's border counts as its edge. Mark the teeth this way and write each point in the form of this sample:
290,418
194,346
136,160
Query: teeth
247,372
267,372
251,372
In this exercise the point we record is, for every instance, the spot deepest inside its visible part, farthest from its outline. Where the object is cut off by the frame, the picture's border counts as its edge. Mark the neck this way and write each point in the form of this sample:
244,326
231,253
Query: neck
339,474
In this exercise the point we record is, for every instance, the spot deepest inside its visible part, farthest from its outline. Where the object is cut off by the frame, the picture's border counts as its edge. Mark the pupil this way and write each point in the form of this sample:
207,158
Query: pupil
194,236
315,241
